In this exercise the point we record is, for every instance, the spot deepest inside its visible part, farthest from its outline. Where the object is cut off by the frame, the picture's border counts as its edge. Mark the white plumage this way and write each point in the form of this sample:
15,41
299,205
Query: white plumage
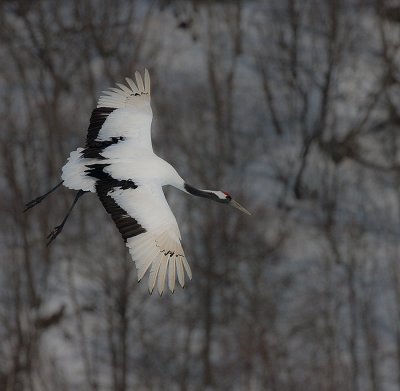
119,165
133,159
161,243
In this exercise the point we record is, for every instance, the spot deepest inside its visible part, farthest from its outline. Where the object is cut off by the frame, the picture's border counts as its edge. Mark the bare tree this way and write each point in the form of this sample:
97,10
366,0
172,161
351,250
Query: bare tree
292,108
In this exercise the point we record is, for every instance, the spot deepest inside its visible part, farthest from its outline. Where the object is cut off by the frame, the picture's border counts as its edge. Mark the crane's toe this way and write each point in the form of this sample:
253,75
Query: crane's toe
54,233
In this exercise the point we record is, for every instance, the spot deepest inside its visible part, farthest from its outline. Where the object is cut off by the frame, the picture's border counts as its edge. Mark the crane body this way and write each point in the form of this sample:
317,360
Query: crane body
119,165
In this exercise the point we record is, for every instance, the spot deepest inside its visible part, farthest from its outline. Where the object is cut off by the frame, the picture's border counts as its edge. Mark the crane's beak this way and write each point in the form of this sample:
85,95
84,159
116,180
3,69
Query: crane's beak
238,206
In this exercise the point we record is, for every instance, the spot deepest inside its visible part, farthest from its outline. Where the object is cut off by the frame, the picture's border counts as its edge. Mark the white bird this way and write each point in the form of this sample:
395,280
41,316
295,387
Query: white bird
119,165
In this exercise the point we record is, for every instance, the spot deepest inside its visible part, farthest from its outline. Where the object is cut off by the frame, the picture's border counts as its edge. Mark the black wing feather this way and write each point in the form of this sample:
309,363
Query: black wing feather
97,119
94,147
127,225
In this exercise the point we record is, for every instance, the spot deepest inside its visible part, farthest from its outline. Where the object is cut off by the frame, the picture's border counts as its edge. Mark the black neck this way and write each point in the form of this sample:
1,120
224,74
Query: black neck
197,192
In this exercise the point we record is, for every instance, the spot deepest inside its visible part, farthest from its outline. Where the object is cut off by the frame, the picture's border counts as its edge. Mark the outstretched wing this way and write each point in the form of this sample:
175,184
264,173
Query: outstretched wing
149,228
123,116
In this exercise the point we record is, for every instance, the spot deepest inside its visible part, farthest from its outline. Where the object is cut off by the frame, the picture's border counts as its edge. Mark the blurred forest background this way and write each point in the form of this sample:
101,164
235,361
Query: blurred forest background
290,105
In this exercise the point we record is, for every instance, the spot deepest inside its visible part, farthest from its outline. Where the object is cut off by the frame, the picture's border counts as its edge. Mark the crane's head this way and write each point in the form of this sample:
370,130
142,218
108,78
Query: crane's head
225,198
220,196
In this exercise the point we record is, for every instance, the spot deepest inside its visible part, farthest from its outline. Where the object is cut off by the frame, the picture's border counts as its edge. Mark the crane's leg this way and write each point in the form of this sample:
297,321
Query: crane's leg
39,199
57,230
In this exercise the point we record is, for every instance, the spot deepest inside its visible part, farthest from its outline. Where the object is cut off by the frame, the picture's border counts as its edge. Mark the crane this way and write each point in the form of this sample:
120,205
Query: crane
119,165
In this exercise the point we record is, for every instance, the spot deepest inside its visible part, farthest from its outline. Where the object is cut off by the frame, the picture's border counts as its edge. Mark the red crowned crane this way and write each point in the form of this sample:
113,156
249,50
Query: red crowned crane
119,165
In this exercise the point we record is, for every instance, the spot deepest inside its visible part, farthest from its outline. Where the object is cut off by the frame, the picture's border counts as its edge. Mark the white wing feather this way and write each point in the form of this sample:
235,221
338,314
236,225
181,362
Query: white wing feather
132,116
159,248
139,82
147,81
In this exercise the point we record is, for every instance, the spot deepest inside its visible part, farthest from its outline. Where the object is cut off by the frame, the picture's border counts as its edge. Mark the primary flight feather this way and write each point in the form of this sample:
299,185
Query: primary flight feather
119,165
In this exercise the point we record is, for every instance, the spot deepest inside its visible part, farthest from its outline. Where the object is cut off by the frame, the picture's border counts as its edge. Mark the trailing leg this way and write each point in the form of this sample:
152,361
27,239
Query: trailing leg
39,199
57,230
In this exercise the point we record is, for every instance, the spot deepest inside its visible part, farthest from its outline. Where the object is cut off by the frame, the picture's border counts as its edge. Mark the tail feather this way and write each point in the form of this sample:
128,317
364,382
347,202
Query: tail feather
74,175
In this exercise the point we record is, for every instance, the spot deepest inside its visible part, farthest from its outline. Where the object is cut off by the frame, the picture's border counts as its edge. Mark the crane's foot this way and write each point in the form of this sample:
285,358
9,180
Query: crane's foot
39,199
34,202
57,230
53,234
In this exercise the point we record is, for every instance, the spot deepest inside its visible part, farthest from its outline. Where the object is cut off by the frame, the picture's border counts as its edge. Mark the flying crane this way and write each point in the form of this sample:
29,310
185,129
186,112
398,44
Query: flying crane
119,165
